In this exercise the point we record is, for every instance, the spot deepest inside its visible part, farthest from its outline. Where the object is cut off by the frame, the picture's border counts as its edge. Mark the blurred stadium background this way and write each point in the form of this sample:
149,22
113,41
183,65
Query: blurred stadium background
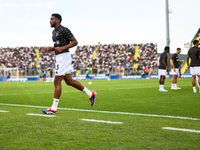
119,59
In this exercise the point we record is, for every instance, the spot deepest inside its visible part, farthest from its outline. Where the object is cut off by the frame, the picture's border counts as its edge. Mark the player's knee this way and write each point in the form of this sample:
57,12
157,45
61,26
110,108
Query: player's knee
57,82
69,82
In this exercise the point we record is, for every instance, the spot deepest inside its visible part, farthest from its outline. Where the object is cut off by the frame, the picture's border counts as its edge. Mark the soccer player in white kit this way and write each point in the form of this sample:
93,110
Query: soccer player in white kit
63,40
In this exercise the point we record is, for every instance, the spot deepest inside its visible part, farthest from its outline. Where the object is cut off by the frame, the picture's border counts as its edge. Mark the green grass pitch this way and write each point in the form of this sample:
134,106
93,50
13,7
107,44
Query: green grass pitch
117,101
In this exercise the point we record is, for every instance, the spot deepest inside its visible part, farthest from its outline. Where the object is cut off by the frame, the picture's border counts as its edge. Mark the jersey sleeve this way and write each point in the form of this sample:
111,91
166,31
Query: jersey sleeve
165,56
199,51
67,33
173,58
188,52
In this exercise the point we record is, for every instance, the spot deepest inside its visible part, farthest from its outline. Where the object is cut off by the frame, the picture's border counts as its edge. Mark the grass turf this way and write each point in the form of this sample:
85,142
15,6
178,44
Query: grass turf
65,130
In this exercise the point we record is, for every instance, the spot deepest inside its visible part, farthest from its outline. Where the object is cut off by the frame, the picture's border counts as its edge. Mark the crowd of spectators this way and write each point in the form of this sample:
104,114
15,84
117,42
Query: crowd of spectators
99,58
26,60
147,59
117,58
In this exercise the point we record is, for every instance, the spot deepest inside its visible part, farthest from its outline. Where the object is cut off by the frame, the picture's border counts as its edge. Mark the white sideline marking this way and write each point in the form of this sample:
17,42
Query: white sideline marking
40,115
3,111
93,120
108,112
179,129
74,91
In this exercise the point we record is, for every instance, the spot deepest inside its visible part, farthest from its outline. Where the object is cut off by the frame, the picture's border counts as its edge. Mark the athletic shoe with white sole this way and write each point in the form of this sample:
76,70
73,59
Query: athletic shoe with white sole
178,88
163,90
92,98
173,88
49,111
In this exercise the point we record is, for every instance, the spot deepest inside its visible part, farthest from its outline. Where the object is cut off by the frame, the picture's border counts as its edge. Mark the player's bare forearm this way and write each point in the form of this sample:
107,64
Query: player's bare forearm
188,60
173,65
188,66
73,42
49,49
164,63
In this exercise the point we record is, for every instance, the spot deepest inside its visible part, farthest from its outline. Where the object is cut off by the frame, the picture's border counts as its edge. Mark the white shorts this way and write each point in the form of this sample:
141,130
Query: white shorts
161,72
176,72
195,70
63,64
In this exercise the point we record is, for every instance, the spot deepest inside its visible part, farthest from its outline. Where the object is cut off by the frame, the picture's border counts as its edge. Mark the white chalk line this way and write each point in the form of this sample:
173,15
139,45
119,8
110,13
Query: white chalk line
72,91
3,111
181,129
108,112
31,114
101,121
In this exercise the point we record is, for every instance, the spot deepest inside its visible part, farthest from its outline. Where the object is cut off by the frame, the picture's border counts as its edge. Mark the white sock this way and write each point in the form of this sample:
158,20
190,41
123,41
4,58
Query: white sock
197,80
161,86
194,88
86,91
175,85
55,104
172,85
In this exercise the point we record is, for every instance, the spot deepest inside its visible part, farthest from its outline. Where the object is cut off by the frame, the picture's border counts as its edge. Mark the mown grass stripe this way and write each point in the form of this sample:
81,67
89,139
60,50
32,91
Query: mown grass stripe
74,91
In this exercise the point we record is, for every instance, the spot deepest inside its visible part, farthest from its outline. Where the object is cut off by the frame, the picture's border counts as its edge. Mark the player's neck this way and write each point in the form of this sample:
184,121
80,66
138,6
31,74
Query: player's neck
56,26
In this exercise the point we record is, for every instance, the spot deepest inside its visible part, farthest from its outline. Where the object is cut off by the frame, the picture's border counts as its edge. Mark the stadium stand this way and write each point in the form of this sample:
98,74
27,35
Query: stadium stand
98,59
26,60
119,59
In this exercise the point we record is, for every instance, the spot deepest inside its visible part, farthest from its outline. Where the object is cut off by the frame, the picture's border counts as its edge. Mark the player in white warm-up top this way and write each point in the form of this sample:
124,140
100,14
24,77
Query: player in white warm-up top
63,40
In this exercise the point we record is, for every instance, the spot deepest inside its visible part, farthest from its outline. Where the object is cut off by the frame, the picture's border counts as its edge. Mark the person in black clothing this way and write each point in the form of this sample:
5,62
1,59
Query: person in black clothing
163,69
194,66
63,40
175,69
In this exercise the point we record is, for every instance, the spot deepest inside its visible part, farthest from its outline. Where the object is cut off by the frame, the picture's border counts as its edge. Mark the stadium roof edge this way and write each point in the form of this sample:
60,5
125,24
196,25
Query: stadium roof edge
197,34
